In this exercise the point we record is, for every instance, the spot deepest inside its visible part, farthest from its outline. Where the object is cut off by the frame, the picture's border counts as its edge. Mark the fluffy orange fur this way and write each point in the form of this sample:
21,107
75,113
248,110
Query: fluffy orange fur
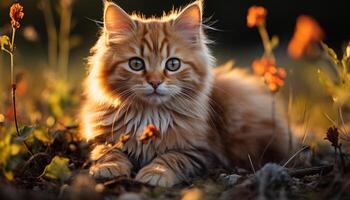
205,116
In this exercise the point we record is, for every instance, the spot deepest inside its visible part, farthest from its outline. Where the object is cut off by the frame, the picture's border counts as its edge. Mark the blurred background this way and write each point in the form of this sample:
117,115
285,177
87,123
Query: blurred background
56,35
233,38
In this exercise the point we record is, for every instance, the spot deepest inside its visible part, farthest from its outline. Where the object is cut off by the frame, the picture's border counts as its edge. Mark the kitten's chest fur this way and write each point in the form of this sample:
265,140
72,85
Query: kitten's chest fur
132,121
176,126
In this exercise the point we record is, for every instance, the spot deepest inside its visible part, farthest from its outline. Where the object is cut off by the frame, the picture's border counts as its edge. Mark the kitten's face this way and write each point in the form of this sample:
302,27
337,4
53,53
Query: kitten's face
154,60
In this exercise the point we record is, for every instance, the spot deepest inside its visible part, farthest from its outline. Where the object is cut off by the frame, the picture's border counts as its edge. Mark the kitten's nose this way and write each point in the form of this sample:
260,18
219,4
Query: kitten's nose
155,83
154,79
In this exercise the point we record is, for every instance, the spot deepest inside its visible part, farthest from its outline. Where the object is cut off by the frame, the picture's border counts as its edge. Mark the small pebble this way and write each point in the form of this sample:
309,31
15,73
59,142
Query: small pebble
230,179
130,196
99,188
72,147
36,188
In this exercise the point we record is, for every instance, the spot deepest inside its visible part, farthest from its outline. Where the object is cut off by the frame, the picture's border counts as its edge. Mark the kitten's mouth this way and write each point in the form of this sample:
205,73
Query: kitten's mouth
155,94
155,98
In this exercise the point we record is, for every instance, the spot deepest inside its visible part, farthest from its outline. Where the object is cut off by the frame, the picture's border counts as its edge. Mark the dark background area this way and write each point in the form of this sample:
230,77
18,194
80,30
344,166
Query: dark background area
234,38
333,16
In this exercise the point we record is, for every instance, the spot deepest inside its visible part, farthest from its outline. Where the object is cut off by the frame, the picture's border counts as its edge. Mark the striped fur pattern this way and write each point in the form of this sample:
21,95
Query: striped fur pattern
205,116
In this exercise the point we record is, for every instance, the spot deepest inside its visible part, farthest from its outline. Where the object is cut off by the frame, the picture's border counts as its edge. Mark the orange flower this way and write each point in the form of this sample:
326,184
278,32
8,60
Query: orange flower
307,32
16,14
275,81
262,65
150,133
256,16
274,76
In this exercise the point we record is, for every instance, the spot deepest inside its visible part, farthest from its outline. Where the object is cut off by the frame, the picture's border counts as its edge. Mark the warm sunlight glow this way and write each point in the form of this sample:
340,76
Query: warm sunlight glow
87,131
96,93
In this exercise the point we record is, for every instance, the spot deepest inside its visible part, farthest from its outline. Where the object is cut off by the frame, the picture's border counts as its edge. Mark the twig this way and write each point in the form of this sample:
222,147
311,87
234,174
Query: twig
322,170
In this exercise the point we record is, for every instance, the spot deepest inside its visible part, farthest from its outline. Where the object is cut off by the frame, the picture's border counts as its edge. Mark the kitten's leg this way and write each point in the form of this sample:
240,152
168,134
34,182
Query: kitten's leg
173,167
109,162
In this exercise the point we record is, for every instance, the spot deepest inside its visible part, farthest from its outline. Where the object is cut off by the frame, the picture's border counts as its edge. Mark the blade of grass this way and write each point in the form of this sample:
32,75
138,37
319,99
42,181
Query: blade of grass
251,163
295,154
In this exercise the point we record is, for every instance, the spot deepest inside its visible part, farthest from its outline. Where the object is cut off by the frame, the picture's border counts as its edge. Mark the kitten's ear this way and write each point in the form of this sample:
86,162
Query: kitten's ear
116,20
190,19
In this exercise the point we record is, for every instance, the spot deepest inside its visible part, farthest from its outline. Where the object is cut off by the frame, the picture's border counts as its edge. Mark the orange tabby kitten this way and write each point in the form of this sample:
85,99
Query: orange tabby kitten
159,71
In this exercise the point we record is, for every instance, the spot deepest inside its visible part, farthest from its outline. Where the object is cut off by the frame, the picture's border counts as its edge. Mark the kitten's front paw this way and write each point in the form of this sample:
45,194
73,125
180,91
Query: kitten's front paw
157,175
107,171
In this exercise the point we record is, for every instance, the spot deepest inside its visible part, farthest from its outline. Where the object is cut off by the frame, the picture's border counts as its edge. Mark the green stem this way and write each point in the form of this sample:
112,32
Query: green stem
12,49
266,41
7,51
15,118
13,84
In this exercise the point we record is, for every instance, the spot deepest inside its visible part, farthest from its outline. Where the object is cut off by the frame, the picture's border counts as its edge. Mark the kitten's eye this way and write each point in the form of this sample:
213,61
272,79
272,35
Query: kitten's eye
136,64
173,64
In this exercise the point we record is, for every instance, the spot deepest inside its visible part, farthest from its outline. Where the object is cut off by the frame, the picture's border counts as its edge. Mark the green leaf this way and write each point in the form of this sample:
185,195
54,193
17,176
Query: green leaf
4,41
15,149
43,136
25,132
58,169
